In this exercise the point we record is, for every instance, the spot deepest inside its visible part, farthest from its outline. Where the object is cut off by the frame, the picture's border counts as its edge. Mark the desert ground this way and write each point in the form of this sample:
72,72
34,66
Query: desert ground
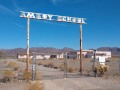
52,75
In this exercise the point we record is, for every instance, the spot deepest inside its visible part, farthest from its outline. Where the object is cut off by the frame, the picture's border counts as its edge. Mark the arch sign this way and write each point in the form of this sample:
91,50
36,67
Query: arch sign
41,16
58,18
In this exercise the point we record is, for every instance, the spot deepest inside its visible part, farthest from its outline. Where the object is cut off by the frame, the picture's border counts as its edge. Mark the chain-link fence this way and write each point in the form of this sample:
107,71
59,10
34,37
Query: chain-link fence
12,71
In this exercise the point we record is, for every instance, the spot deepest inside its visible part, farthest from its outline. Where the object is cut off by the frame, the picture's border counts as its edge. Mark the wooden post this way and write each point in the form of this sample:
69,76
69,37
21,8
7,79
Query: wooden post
28,32
81,48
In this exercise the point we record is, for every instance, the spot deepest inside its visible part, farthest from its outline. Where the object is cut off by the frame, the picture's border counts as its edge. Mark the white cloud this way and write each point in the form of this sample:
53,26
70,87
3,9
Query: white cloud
6,10
19,25
17,7
55,2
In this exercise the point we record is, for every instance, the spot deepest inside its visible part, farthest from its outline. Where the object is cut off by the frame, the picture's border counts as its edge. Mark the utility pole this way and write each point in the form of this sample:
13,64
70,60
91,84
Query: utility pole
81,48
94,59
28,32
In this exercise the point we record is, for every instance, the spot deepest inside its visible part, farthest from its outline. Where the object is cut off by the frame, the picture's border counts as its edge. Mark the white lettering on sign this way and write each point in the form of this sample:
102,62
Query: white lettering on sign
59,18
73,20
32,15
50,17
68,19
44,16
38,16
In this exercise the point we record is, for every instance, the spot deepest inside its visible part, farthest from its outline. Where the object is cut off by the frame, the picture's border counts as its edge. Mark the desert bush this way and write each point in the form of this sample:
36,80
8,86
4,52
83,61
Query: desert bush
72,69
50,64
68,69
8,75
101,70
36,85
27,75
40,63
57,66
21,60
12,64
62,67
45,65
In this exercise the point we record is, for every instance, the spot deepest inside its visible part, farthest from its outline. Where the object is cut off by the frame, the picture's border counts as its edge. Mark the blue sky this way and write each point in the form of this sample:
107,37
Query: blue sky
102,28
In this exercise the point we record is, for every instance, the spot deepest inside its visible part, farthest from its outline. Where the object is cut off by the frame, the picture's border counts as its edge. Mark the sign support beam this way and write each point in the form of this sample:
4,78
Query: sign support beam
81,66
58,18
28,43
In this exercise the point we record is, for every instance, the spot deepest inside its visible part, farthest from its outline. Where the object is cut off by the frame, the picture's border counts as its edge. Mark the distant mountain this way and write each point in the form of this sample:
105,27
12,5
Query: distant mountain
13,52
114,50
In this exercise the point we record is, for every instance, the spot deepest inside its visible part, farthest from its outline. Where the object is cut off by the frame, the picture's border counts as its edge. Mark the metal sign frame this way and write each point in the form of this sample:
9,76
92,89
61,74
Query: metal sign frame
58,18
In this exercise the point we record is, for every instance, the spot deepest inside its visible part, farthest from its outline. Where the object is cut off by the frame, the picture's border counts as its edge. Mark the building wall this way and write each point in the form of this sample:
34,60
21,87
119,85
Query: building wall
106,54
23,56
39,57
47,56
89,53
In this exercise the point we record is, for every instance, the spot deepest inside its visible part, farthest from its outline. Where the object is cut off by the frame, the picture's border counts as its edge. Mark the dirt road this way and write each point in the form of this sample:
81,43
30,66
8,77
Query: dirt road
53,79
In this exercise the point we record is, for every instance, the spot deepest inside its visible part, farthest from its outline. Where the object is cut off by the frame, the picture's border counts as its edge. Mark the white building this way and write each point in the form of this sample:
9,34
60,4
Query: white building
42,56
68,55
88,54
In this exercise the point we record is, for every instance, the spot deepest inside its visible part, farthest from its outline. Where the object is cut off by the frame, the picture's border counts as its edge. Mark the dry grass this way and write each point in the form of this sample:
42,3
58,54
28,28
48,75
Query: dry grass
12,64
72,69
34,85
8,75
40,62
24,60
27,75
38,75
56,66
50,64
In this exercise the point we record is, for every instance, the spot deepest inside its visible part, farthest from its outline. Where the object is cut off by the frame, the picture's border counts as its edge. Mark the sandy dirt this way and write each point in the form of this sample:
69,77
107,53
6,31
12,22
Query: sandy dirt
53,79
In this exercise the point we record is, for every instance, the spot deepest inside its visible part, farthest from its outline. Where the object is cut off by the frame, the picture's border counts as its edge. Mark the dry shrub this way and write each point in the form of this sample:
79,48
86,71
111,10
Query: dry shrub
24,60
87,59
27,75
40,63
71,69
21,60
34,85
62,67
101,70
50,64
45,65
12,64
8,75
56,66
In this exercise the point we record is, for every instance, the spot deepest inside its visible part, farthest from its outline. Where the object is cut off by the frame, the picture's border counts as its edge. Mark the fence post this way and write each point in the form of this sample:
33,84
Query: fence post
34,66
94,62
65,67
119,65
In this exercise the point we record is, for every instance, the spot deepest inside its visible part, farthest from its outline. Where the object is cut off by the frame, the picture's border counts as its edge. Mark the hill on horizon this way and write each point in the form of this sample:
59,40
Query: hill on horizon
13,52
